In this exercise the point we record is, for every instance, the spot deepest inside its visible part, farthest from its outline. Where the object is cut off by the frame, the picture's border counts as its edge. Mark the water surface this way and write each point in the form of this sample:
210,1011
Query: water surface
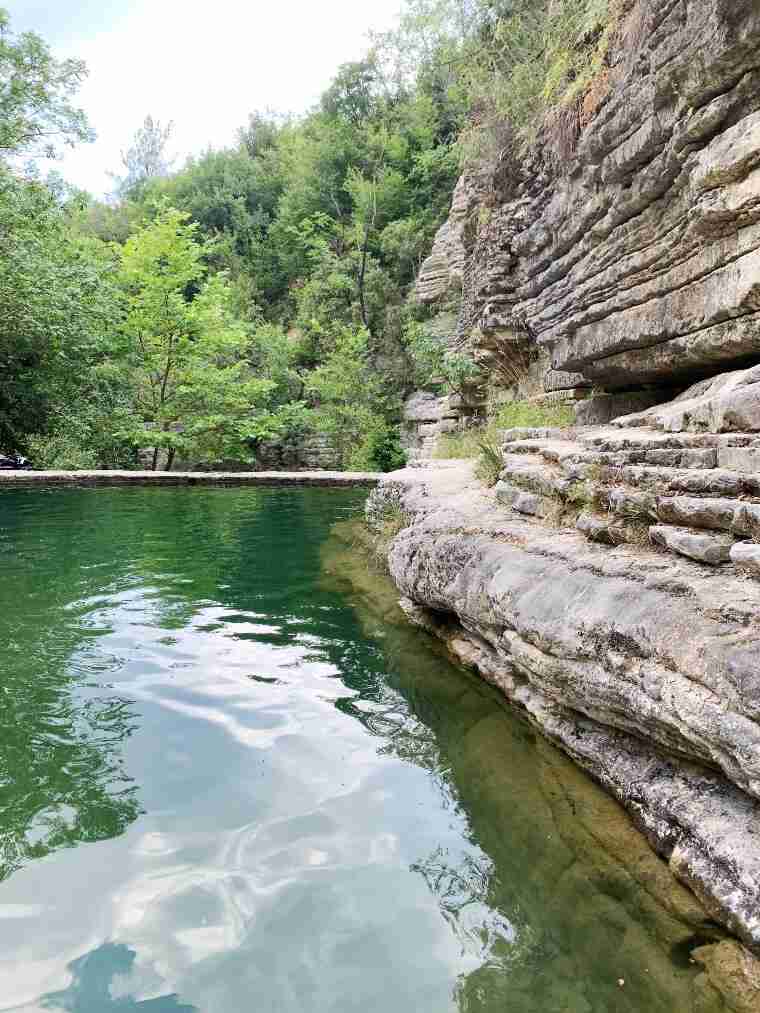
232,781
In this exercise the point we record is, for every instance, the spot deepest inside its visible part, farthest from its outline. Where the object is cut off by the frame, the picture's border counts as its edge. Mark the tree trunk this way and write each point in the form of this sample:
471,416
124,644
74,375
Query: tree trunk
362,273
154,464
170,459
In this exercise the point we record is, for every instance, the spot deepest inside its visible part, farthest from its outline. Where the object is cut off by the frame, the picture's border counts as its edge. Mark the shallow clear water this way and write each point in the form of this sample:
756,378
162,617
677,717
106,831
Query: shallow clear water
231,782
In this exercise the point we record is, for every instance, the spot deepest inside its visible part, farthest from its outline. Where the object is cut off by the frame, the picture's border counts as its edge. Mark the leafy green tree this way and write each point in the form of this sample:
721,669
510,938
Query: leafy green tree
36,92
351,406
435,364
233,197
184,351
58,303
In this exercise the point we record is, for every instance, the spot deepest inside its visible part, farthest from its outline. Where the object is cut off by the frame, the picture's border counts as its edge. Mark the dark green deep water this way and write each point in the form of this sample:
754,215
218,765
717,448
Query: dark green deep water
231,783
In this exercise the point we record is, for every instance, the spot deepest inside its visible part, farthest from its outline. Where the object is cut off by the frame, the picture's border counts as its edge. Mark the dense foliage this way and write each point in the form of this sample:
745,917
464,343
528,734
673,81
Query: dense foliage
262,290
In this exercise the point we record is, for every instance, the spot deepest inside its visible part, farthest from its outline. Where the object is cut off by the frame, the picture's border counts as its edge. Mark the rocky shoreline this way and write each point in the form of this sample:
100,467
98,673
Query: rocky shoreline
640,665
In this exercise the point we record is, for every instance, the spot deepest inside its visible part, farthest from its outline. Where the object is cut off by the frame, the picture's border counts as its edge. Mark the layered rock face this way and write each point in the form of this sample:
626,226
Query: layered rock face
643,665
638,262
427,416
610,584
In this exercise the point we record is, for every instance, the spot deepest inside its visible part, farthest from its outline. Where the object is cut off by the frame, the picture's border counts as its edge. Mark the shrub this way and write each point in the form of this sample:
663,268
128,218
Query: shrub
490,462
462,445
518,414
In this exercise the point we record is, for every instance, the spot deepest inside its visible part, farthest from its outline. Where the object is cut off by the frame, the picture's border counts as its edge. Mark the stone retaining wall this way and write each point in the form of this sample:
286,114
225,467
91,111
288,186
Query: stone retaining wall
24,479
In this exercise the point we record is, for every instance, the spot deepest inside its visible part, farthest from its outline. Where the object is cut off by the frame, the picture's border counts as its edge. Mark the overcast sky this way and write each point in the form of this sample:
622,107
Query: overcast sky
204,65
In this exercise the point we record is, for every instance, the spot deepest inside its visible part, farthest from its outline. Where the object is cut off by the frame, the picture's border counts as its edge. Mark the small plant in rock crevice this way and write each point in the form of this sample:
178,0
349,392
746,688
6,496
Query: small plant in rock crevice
385,518
490,462
470,443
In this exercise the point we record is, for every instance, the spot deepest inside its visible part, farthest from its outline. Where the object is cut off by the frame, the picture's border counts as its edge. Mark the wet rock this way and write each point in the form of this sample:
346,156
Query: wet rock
642,668
732,973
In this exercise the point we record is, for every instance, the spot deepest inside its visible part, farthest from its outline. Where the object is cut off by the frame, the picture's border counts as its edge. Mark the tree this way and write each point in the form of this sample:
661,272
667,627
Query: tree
58,300
184,351
260,134
146,158
36,111
351,406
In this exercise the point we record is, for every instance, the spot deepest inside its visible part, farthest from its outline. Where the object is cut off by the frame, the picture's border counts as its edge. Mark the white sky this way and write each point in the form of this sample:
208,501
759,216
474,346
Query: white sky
204,65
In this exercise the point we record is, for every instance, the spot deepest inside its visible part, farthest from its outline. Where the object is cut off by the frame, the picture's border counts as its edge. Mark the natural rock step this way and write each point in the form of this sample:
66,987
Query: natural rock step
697,451
600,529
712,482
744,459
730,515
630,504
522,433
698,458
704,548
746,556
651,439
522,502
536,478
550,450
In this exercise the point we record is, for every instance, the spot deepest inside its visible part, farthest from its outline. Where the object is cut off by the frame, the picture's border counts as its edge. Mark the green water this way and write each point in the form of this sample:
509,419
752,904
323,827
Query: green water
232,782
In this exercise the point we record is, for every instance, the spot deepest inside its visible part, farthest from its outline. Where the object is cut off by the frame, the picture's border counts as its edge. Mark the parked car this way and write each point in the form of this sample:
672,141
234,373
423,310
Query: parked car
14,462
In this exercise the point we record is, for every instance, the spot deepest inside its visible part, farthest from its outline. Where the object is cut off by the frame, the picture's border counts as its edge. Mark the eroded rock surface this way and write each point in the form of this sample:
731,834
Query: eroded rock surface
609,584
643,667
638,261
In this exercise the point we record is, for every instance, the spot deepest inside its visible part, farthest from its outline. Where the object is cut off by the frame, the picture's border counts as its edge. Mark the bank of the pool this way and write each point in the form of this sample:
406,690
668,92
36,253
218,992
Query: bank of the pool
339,479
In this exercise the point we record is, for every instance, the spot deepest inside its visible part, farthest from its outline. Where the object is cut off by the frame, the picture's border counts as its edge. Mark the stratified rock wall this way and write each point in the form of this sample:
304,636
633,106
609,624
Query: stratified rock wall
642,666
636,260
609,584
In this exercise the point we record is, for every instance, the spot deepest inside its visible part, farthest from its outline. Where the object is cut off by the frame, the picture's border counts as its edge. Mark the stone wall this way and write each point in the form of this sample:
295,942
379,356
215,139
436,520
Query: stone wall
300,452
306,452
426,416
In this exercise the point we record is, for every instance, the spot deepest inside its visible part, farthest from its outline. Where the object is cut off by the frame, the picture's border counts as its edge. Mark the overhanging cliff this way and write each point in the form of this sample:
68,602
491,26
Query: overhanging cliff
626,242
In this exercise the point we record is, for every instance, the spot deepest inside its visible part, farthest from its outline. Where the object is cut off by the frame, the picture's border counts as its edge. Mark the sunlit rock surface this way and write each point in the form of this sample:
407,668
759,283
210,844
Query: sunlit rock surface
643,667
591,874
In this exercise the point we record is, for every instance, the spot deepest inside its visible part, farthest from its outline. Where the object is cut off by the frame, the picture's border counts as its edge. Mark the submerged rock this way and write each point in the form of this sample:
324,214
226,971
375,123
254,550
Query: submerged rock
641,667
568,861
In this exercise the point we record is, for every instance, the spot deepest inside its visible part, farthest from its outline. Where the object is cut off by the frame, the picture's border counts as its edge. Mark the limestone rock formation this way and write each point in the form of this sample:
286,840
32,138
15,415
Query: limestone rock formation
427,416
639,261
642,665
443,270
609,584
730,401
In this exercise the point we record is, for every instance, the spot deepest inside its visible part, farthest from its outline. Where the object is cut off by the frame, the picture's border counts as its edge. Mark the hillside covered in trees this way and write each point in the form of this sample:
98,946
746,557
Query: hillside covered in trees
267,289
